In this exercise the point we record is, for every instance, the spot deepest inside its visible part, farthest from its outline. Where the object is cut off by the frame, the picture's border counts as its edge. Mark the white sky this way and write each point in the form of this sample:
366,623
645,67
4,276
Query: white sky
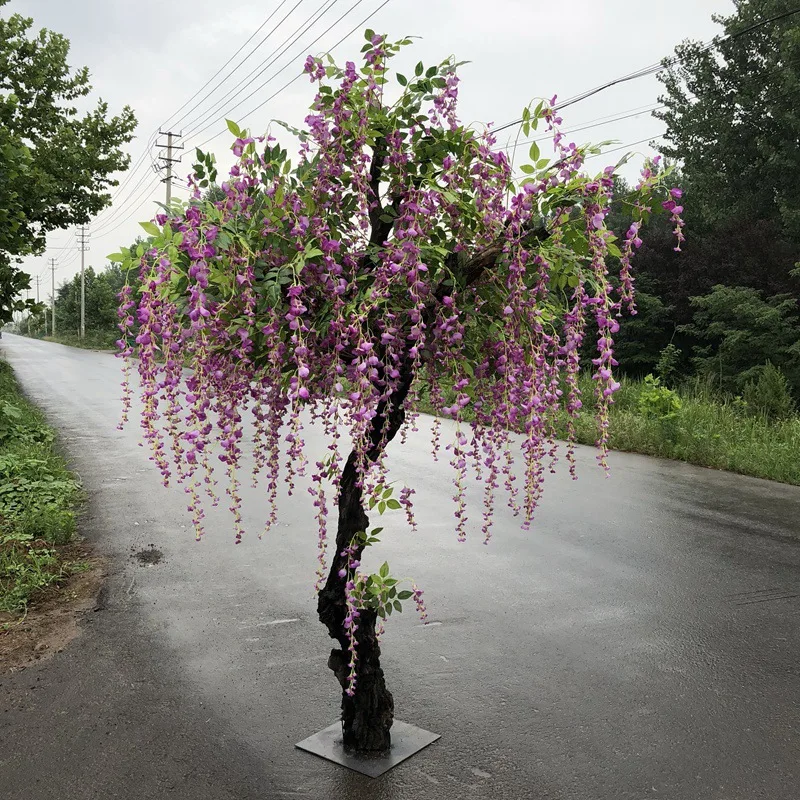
155,54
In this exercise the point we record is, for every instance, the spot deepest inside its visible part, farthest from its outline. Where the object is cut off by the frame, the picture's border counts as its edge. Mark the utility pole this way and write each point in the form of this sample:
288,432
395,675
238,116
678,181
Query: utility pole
38,280
83,238
168,160
53,297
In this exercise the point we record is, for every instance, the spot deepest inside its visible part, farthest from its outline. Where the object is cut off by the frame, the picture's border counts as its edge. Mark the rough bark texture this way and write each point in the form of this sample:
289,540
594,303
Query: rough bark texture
367,716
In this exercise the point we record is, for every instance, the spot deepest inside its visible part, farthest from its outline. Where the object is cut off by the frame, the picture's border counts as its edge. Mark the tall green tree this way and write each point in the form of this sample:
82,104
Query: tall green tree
739,331
57,164
100,291
733,115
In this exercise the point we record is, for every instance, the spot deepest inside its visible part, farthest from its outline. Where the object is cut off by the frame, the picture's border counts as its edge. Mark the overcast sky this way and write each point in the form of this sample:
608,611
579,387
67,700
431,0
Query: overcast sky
154,55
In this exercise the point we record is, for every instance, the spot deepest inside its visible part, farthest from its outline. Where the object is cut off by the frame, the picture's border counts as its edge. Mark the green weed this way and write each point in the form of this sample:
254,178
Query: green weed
38,496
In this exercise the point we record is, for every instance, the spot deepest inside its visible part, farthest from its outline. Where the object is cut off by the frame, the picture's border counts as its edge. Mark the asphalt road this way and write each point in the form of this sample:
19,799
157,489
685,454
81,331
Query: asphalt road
640,642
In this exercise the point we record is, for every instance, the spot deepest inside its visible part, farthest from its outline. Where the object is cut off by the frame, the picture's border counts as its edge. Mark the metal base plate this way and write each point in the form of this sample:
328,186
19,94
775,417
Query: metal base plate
406,740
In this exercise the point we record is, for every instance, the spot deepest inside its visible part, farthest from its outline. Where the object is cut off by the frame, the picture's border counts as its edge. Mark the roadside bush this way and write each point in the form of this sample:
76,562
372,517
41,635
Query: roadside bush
769,396
657,401
668,364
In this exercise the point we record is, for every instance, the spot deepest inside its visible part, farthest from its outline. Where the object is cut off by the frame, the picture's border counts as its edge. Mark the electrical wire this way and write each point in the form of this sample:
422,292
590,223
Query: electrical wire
137,204
590,124
301,74
100,225
624,146
211,116
658,66
132,171
171,121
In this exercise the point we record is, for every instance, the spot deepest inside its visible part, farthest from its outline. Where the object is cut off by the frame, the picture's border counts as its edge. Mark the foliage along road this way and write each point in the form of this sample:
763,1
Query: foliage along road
641,641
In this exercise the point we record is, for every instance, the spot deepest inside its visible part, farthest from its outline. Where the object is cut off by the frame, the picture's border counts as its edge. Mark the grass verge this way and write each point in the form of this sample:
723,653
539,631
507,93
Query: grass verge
94,340
705,429
38,497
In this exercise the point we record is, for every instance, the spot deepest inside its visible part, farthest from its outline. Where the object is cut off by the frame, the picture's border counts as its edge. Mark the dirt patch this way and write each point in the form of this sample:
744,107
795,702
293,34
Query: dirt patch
149,556
53,621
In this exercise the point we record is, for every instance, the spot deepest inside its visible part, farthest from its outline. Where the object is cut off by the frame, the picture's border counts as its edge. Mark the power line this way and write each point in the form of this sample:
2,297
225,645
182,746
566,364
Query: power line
110,220
151,140
174,122
606,152
137,204
658,66
592,124
109,212
625,146
211,116
301,74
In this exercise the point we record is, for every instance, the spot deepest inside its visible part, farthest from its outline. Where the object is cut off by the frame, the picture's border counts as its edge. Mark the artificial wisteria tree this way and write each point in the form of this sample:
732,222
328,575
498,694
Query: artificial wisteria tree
400,254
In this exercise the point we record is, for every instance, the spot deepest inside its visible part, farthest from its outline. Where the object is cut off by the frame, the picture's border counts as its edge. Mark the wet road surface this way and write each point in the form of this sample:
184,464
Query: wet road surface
641,641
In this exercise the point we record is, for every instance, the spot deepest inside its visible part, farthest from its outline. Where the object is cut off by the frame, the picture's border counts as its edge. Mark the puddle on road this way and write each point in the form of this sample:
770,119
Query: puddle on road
149,556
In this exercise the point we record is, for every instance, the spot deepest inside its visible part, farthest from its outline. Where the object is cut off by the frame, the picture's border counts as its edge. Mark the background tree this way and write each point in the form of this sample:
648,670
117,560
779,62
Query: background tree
56,164
731,115
739,331
397,251
101,290
13,281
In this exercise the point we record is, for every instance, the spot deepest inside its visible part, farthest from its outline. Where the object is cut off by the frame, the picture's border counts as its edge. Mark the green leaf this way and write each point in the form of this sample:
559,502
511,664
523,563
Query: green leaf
527,169
375,531
397,606
116,257
151,228
384,570
404,595
394,504
534,152
381,507
431,72
233,128
402,80
614,250
419,69
368,34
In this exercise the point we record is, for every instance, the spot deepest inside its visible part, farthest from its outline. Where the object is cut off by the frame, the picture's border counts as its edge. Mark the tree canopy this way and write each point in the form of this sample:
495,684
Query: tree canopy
732,115
57,164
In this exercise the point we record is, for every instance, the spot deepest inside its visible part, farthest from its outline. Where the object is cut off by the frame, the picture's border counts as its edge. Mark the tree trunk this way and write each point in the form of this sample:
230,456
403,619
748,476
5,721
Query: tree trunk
367,716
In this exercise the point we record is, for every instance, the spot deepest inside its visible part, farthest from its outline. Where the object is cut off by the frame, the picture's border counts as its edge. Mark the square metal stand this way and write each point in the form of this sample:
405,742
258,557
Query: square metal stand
406,741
